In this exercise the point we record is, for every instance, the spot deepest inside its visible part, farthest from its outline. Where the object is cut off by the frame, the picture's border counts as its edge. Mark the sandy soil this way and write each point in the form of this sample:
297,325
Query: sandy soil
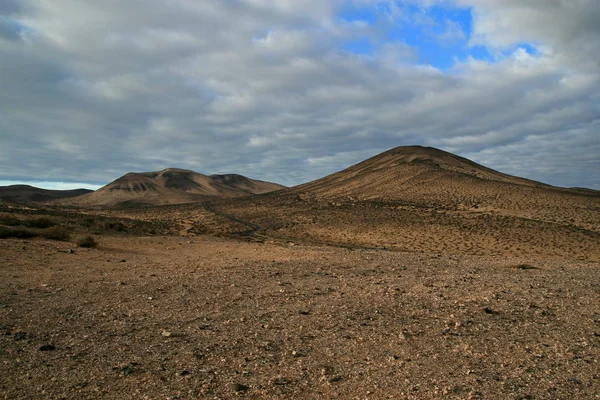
203,317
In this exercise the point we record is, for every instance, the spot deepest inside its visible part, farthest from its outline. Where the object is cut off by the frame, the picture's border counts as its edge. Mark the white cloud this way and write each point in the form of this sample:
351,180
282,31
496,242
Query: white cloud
262,88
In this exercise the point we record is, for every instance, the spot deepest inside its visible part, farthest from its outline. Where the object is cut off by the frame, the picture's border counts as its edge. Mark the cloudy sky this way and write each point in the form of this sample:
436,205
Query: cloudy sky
292,90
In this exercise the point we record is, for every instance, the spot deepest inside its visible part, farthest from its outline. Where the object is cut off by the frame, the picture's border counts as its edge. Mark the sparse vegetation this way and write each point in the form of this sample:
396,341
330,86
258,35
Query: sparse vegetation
115,226
86,241
56,233
17,233
53,233
9,220
40,223
525,266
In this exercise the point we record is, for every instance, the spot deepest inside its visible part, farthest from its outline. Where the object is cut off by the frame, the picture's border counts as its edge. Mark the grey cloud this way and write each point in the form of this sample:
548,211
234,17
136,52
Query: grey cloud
260,88
568,29
9,29
10,7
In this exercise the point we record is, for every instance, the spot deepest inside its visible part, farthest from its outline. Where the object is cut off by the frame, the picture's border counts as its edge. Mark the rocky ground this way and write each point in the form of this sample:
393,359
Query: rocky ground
169,317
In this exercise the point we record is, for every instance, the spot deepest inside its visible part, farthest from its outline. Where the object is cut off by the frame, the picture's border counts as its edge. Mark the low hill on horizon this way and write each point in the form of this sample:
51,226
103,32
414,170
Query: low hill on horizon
32,194
170,186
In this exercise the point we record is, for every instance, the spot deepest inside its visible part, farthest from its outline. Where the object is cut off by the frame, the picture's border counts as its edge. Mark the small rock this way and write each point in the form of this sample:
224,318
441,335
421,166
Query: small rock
238,387
488,310
281,381
128,369
166,334
123,260
184,373
296,354
335,379
47,347
19,336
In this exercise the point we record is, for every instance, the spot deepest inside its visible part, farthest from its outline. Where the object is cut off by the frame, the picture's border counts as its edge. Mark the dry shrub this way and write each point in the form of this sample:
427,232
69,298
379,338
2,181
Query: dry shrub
56,233
9,220
18,233
40,223
525,266
115,226
86,241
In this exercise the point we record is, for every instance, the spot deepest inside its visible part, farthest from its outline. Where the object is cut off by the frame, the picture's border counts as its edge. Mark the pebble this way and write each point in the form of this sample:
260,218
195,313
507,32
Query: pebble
238,387
47,347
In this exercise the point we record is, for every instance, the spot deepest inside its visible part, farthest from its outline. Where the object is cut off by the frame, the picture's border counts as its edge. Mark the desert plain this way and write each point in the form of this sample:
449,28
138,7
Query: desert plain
415,275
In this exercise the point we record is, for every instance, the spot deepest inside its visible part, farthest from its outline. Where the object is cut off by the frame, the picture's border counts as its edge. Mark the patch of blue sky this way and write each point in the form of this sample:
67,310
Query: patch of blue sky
439,34
530,48
362,46
354,12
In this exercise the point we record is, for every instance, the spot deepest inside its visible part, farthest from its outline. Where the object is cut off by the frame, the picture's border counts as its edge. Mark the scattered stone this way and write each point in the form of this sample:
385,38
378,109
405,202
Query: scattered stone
166,334
19,336
123,260
488,310
185,373
335,379
128,369
281,381
47,347
296,354
238,387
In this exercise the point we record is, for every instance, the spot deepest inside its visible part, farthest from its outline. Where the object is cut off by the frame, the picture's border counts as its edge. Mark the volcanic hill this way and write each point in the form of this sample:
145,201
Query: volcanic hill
31,194
424,199
171,186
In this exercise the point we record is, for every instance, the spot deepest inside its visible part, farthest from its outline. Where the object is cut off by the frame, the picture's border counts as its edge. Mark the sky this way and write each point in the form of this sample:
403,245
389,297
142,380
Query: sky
289,91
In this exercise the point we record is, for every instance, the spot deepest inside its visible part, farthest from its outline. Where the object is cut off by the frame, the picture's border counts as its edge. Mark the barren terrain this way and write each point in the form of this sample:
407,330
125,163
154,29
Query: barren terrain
416,274
171,317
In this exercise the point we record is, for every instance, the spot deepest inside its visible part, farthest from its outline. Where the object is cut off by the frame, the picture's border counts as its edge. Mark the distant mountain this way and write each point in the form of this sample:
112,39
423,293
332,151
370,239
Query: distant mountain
171,186
31,194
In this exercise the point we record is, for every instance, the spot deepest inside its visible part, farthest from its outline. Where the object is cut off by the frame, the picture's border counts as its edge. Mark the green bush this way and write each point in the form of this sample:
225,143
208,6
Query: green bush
86,241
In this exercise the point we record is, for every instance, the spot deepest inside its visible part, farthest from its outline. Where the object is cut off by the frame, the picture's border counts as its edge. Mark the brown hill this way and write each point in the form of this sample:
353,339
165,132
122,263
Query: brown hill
424,199
31,194
425,176
414,172
171,186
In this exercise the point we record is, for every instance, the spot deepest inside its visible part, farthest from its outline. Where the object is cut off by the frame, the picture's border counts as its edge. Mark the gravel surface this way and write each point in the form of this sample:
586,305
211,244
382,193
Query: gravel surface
186,318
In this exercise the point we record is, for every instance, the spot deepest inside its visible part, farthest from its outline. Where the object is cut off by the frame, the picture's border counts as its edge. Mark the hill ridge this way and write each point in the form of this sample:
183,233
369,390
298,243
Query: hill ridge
171,186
